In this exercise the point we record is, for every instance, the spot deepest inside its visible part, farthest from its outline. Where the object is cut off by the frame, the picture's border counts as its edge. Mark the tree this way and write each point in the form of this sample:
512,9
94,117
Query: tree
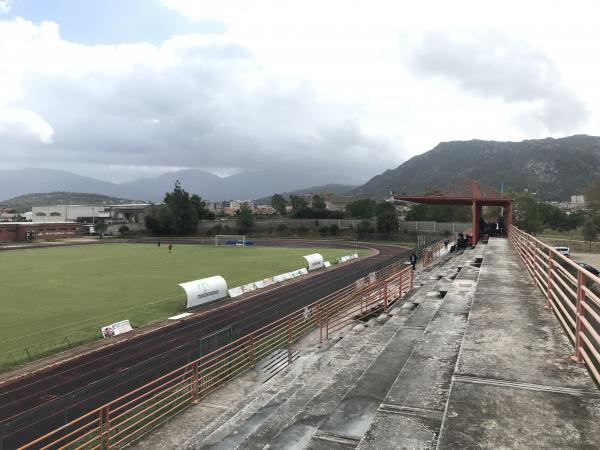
592,196
201,209
298,203
100,228
183,209
323,230
387,222
279,203
434,191
245,218
589,231
160,220
526,213
361,209
318,202
382,207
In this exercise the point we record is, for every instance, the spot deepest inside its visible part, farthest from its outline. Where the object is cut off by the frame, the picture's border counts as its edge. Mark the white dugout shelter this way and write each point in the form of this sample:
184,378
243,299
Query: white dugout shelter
205,290
314,260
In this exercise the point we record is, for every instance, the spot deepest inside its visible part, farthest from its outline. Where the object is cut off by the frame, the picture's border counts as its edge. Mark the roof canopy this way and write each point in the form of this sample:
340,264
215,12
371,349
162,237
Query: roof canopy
464,194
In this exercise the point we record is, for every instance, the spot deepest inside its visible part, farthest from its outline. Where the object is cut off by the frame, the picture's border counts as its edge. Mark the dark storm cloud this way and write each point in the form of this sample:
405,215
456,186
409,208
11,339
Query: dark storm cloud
213,107
491,65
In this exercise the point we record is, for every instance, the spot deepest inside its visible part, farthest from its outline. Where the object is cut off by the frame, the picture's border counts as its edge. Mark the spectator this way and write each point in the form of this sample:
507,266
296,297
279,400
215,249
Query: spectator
413,260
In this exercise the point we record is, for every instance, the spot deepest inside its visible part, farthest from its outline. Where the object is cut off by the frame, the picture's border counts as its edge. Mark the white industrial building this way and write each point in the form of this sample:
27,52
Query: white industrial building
132,214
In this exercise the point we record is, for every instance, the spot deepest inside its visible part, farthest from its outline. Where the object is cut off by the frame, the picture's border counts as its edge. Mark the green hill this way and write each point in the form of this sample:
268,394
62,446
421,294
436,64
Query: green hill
24,203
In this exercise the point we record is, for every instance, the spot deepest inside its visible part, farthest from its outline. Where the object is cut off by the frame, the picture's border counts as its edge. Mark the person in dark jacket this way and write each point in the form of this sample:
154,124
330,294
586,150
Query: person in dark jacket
413,260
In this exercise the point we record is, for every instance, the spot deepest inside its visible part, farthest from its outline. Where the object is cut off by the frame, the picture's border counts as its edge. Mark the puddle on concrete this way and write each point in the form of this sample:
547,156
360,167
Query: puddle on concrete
295,437
245,429
353,417
369,314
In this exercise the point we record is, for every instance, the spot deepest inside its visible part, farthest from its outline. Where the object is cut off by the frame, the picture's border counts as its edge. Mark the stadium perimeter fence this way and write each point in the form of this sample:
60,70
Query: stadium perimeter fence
58,412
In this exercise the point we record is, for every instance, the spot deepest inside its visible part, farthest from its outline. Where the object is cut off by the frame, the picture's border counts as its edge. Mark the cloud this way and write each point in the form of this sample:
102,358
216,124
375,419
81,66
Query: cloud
491,65
5,6
21,126
194,101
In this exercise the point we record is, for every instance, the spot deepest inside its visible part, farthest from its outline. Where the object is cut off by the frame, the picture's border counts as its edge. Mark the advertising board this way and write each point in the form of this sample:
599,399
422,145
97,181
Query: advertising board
236,291
114,329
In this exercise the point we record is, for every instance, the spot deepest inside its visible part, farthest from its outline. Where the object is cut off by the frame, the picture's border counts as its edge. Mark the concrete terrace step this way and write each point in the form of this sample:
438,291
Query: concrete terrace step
309,372
341,410
410,416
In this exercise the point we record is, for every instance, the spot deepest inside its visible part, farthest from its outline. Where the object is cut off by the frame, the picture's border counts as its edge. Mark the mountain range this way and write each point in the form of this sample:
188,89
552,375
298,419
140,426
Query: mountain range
554,169
331,188
245,185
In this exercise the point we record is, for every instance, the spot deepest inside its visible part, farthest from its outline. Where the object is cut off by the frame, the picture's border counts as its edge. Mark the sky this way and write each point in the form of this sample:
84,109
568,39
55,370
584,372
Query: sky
123,89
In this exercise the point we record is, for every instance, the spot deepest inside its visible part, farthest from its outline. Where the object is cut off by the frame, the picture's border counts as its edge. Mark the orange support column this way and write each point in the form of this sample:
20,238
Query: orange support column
474,222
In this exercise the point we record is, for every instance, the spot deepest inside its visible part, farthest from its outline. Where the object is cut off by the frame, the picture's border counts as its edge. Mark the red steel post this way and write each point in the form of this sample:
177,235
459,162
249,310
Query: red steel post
319,322
385,297
106,411
252,351
549,280
100,433
289,341
195,388
580,311
400,281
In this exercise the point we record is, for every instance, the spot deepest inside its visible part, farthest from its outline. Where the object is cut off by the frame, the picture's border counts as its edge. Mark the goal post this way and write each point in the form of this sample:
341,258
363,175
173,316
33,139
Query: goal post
230,239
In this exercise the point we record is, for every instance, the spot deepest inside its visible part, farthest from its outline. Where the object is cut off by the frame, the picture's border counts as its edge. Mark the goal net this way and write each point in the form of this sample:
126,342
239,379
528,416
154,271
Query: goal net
230,239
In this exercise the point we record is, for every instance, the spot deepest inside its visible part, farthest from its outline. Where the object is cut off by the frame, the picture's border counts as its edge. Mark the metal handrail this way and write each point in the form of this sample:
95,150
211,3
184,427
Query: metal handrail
570,295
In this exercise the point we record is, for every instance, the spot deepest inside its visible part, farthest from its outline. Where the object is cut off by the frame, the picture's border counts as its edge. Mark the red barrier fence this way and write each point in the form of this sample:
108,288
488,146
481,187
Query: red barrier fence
124,419
434,250
572,292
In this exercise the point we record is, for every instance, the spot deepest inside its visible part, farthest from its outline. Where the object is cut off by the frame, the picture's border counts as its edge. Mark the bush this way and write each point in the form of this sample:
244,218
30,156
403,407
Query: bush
282,227
323,230
363,227
123,230
333,229
302,229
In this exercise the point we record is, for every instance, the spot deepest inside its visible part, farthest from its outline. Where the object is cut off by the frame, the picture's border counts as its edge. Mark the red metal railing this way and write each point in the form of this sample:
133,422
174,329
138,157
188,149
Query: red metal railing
365,301
572,292
434,250
126,418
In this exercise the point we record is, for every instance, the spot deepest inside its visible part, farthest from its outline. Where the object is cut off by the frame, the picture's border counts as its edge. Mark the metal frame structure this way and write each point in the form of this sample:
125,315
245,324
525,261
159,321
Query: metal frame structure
126,418
571,292
472,194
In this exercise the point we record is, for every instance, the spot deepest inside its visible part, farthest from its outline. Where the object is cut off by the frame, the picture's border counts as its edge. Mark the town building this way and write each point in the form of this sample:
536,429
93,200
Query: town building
131,214
69,213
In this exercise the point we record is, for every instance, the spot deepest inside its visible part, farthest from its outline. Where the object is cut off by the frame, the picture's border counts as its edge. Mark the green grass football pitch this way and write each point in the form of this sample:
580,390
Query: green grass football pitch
54,298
